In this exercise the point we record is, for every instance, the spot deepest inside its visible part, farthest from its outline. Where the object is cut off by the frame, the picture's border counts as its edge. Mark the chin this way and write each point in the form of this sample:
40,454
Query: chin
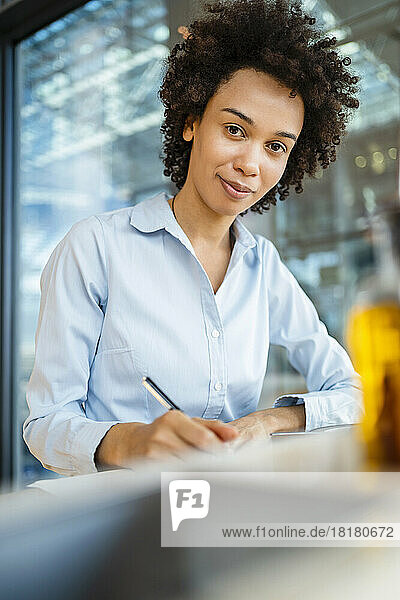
229,211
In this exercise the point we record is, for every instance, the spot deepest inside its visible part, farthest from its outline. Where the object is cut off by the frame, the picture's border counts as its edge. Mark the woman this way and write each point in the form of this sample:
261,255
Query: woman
177,288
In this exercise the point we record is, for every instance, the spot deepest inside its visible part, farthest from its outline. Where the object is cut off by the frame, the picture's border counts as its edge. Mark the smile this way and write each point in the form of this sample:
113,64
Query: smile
231,191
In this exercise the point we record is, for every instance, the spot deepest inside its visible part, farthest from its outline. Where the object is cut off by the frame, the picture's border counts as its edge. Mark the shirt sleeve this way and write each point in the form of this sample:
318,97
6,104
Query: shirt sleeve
73,296
334,388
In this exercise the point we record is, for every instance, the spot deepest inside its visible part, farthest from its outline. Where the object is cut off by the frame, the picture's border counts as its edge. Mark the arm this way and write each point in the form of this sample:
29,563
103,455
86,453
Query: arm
334,395
73,296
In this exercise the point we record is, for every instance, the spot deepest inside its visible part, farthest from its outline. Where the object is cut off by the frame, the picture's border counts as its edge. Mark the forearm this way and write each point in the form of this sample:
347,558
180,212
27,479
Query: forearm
271,420
285,418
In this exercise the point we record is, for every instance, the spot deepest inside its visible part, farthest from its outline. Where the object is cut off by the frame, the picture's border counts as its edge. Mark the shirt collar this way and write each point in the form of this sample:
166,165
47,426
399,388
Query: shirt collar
154,213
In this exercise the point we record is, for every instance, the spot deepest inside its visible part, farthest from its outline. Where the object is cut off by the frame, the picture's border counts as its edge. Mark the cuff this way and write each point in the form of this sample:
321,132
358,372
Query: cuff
310,409
86,440
327,408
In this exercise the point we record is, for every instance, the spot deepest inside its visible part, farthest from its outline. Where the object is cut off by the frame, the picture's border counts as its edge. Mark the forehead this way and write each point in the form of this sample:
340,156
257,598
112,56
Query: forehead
259,96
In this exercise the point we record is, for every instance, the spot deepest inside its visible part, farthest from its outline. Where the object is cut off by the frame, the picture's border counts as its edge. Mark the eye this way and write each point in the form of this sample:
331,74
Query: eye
232,127
279,146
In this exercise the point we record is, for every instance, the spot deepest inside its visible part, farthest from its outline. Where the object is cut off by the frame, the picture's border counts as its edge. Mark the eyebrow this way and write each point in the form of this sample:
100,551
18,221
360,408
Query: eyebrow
250,121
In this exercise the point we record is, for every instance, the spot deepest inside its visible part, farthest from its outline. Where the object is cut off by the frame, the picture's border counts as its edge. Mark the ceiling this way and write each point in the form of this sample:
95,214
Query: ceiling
374,23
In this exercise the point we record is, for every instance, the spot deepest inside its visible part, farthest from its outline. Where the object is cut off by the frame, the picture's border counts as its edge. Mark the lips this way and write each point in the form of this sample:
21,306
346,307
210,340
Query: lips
232,192
238,187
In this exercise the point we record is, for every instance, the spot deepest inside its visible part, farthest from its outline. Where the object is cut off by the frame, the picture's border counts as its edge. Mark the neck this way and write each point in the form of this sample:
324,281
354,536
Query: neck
205,228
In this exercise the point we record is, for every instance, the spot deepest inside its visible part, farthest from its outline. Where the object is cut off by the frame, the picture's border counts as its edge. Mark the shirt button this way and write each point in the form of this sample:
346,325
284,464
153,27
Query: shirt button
215,333
218,386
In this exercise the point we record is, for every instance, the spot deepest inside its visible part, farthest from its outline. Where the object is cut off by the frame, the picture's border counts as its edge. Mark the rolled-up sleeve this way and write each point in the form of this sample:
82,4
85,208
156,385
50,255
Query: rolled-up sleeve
73,298
334,388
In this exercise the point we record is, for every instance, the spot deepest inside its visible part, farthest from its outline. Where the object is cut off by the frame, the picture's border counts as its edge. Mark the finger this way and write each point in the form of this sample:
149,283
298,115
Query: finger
194,432
165,444
222,430
203,434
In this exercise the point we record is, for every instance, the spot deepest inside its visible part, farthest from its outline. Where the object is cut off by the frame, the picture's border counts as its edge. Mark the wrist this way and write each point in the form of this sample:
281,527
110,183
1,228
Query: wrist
111,451
102,456
286,418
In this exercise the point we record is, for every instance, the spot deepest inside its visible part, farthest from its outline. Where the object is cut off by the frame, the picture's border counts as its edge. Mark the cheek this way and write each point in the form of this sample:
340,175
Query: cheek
214,153
275,170
219,147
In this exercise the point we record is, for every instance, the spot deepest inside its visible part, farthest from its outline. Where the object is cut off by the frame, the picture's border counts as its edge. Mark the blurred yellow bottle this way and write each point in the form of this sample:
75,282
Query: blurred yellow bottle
373,337
374,340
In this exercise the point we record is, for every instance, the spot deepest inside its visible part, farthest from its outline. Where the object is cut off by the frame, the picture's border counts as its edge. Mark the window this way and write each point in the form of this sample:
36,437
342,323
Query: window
89,141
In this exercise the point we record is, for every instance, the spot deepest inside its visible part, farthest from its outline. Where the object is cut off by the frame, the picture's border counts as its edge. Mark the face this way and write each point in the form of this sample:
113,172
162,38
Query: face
250,149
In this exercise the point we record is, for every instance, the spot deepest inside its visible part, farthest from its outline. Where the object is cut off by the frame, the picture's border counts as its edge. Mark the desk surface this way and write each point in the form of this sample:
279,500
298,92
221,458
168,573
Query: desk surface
76,518
326,449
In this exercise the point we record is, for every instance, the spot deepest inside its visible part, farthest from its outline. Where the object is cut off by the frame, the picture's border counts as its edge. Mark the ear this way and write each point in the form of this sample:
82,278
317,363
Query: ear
189,127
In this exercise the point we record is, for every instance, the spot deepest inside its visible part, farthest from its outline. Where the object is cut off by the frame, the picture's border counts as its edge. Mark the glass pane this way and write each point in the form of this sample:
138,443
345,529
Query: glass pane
89,141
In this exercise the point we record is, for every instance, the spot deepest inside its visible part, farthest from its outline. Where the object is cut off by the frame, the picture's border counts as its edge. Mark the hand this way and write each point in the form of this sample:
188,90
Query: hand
172,434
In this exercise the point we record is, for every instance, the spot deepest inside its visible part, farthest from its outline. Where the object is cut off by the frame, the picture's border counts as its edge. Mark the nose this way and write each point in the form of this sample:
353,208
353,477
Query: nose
248,163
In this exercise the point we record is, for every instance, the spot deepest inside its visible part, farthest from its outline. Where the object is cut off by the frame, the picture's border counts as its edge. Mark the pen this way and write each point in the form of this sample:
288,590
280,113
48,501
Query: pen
159,394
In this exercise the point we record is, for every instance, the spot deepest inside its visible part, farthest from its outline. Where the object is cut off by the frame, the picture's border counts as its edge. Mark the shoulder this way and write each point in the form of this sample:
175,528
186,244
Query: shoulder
91,229
268,252
120,216
78,257
82,236
82,243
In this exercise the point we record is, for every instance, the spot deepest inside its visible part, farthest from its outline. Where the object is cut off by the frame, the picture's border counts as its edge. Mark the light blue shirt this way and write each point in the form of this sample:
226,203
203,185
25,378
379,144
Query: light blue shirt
123,295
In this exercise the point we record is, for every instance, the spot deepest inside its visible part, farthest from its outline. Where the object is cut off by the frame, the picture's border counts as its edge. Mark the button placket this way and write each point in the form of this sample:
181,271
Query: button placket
217,355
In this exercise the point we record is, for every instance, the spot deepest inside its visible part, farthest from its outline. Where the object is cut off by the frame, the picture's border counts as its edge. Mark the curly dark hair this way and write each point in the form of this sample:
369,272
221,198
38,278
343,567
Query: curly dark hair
270,36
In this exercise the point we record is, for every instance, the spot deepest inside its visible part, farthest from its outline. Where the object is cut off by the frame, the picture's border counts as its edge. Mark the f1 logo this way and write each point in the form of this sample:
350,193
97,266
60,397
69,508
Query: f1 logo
189,499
